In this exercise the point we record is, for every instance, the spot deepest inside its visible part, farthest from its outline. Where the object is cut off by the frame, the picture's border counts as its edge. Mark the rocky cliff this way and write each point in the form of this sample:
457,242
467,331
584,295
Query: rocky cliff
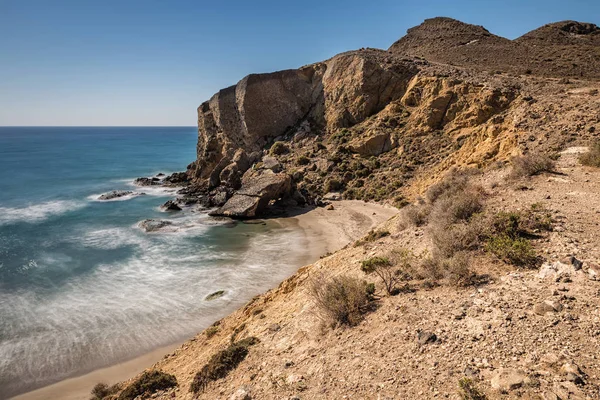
291,137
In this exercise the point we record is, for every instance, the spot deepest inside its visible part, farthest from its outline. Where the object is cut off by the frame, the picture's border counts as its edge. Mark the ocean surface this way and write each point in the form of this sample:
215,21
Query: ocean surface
81,285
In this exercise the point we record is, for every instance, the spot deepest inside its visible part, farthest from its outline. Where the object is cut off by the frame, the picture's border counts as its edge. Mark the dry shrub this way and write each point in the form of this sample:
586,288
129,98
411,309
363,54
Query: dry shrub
211,331
415,215
372,236
531,164
149,383
390,272
341,300
221,363
592,157
453,182
454,269
451,239
102,391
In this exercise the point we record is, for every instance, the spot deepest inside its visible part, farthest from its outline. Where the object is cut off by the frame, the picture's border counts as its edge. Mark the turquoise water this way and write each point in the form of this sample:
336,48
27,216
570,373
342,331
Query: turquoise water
81,286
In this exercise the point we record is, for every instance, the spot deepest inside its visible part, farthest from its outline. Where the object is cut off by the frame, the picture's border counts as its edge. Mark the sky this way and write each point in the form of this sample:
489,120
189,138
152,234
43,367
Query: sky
152,62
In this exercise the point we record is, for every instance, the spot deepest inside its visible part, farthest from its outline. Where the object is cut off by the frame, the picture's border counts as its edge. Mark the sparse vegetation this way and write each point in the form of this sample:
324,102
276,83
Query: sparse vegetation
279,148
517,251
333,185
211,331
148,383
389,272
221,363
592,157
469,391
372,236
102,391
342,300
303,160
531,164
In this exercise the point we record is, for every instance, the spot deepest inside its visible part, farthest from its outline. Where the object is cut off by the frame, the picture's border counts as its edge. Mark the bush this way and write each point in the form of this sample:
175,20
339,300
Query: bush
303,160
372,236
517,251
531,164
390,273
221,363
468,390
211,331
592,157
415,215
342,300
102,390
279,148
150,382
333,185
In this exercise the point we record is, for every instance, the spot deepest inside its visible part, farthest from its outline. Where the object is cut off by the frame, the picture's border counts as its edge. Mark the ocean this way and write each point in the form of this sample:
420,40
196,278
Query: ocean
81,285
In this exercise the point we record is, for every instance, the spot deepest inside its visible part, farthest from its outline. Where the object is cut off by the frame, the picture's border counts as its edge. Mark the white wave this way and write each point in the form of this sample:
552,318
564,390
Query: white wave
37,212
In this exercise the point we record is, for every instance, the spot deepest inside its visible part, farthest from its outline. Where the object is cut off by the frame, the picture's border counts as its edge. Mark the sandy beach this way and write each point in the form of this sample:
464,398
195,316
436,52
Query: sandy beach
326,231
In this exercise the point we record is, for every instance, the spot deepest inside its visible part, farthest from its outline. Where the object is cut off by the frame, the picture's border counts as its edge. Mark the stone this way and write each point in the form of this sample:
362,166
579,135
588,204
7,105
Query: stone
146,181
424,337
330,207
271,163
177,178
115,194
594,272
274,327
153,225
577,264
215,295
255,194
547,306
372,146
171,205
243,393
506,379
555,270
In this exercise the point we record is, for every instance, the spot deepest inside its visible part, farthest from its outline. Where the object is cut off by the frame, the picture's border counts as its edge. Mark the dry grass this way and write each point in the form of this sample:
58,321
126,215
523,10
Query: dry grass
221,363
531,164
592,157
341,300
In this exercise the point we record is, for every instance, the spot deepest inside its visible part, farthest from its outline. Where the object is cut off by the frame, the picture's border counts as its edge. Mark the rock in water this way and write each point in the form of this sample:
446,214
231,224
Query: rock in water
147,181
171,205
115,194
153,225
215,295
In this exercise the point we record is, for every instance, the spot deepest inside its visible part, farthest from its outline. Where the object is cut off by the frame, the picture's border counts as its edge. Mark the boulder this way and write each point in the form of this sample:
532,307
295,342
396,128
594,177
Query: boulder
424,337
171,205
153,225
547,306
372,146
115,194
506,379
255,194
144,181
215,295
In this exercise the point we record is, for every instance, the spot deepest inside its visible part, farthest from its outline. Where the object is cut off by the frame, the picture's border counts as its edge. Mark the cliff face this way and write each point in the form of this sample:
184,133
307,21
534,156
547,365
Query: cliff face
398,116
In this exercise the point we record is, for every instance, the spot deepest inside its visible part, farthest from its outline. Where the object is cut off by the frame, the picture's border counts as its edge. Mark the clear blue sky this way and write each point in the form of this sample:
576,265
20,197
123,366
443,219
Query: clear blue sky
152,62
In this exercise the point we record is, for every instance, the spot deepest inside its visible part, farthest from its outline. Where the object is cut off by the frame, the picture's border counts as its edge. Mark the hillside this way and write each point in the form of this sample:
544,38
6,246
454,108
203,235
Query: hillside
493,254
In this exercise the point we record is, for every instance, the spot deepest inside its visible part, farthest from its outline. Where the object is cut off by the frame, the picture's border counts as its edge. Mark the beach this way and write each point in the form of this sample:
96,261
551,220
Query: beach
325,231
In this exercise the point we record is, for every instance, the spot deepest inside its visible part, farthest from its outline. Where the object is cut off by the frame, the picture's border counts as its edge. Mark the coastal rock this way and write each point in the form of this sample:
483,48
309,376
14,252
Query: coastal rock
115,194
255,194
144,181
215,295
177,178
153,225
171,205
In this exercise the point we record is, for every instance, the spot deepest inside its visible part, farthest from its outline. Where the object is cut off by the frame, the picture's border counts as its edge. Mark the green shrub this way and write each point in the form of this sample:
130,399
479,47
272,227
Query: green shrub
279,148
341,300
389,273
469,391
211,331
372,236
531,164
370,265
150,382
592,157
303,160
102,390
333,185
221,363
517,251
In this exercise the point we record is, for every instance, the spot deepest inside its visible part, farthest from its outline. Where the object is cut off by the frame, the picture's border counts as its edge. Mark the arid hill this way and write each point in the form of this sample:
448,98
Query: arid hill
485,283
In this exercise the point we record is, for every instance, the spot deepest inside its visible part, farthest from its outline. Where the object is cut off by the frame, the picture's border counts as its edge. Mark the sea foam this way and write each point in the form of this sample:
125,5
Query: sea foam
36,213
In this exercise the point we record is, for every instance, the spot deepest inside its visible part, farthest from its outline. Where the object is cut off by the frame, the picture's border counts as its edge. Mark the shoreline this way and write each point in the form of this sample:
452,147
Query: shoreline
326,231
